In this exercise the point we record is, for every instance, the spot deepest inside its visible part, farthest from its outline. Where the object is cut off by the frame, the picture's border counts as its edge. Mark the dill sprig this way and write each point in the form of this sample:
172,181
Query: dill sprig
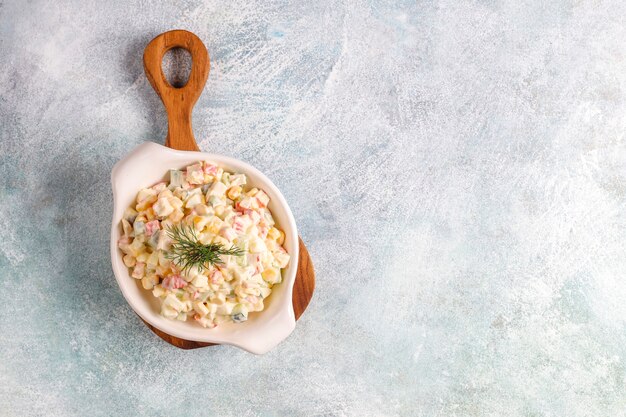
186,251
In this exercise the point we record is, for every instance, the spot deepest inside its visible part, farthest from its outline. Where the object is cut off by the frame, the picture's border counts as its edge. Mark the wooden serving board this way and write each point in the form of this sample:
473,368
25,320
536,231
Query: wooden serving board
179,104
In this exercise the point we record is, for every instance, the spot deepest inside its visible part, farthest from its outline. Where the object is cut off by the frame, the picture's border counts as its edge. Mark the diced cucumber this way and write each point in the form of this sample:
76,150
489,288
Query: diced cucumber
268,218
130,214
193,200
215,201
205,296
194,191
139,228
264,292
241,260
176,178
154,239
239,313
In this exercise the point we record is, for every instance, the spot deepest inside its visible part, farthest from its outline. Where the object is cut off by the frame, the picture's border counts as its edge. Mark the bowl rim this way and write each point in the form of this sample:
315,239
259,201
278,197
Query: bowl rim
280,325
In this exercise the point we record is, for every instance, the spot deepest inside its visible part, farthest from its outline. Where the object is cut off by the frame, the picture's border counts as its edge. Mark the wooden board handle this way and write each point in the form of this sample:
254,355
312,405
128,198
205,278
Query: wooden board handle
178,102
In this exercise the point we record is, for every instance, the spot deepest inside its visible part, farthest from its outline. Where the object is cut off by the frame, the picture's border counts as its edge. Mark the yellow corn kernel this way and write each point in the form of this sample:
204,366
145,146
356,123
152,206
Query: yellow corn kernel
270,275
199,222
281,238
214,225
219,210
158,291
234,192
273,233
129,260
149,281
252,192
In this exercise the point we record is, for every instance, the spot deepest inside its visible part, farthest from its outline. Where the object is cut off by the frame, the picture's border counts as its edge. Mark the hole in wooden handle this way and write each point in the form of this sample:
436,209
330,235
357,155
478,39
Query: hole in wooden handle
176,66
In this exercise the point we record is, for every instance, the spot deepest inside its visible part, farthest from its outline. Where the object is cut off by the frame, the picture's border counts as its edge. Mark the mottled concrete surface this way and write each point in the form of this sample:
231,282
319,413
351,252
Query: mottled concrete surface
456,168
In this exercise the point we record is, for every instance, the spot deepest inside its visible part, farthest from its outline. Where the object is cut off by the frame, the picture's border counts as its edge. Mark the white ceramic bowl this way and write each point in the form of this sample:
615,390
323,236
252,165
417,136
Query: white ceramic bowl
145,166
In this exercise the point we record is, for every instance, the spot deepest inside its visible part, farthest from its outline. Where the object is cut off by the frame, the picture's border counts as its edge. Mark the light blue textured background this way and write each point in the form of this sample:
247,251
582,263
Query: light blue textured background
457,170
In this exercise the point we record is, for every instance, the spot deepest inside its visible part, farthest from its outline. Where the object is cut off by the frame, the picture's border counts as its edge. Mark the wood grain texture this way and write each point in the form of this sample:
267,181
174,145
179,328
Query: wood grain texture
305,282
179,104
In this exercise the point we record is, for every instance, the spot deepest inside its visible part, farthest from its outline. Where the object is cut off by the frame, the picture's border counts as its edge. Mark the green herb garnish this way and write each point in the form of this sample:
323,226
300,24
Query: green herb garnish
187,251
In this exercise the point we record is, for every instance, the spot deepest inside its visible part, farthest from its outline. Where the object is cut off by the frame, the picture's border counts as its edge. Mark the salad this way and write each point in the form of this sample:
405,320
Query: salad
205,244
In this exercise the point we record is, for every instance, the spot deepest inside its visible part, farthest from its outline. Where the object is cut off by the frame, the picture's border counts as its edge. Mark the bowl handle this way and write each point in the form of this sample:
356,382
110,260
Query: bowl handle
178,102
